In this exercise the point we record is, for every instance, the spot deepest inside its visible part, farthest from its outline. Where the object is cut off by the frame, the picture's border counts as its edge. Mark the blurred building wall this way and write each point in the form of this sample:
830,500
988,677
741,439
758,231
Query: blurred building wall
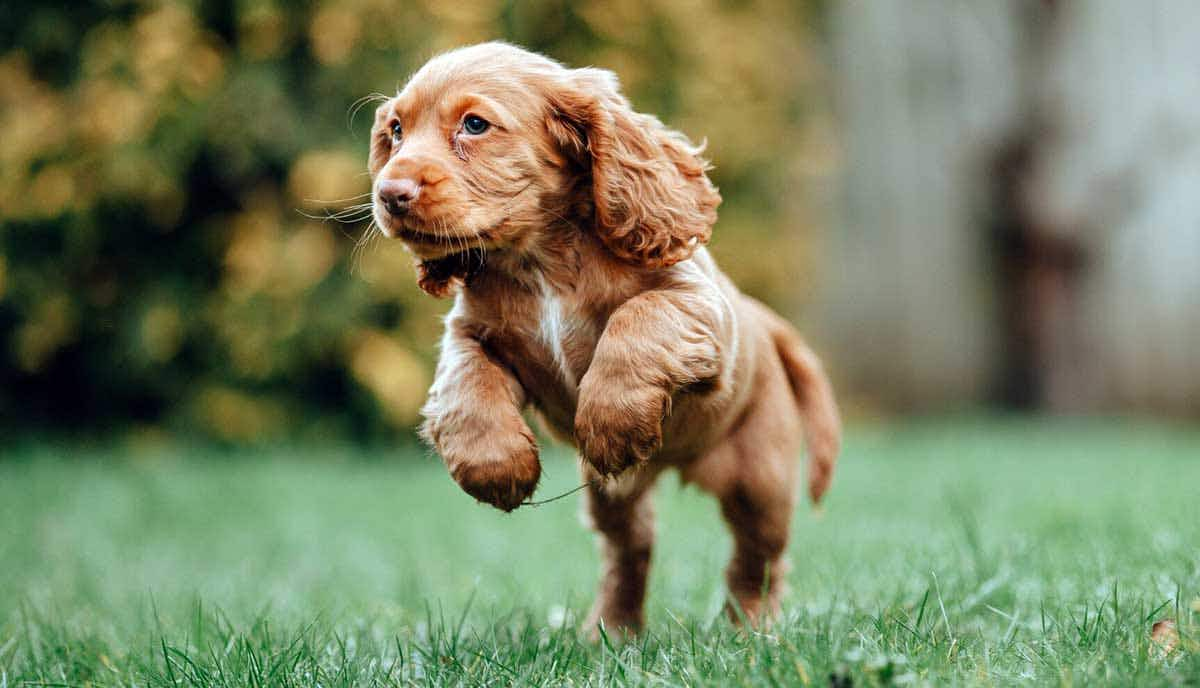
1020,218
1119,173
926,90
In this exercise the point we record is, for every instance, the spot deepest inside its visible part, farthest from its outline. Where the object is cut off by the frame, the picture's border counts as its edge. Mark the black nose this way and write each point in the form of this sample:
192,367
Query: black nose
397,194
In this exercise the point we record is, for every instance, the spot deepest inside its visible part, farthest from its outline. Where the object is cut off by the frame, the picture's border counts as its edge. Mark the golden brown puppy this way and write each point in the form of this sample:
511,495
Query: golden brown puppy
570,231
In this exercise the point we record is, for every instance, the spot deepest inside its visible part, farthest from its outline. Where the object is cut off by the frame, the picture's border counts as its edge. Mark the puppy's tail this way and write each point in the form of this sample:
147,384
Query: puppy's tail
814,395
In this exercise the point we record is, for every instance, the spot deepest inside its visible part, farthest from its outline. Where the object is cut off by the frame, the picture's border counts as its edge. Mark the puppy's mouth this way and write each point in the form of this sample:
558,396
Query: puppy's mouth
428,245
419,237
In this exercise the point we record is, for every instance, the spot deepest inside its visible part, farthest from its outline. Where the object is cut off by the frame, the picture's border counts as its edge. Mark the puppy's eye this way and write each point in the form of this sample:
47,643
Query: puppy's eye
475,125
397,133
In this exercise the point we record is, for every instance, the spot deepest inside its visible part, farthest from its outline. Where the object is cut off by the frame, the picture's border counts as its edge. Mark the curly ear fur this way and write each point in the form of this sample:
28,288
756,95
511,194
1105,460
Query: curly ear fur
654,204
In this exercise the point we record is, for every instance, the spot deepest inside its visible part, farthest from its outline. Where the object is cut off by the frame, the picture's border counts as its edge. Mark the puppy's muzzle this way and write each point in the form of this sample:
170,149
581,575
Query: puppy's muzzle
398,195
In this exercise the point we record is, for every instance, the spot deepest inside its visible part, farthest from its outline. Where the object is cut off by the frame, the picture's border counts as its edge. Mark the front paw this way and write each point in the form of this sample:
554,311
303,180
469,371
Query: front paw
620,430
503,480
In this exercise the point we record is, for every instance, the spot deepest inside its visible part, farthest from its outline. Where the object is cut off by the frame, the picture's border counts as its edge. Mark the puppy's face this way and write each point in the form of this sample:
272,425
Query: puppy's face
491,146
459,159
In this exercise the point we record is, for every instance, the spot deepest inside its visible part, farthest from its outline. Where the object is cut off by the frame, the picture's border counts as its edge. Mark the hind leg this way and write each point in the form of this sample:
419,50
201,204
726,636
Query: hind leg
624,520
759,517
754,474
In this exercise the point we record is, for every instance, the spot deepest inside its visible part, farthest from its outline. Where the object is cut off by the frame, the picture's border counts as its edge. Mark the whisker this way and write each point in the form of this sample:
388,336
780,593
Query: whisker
351,213
356,206
334,201
357,254
347,217
363,212
358,105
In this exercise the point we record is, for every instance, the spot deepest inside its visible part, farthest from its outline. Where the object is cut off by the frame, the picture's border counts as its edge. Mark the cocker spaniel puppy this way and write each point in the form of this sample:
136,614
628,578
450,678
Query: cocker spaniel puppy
570,231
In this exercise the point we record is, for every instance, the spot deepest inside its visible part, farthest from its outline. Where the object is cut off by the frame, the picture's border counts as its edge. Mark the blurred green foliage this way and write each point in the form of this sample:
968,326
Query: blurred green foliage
158,272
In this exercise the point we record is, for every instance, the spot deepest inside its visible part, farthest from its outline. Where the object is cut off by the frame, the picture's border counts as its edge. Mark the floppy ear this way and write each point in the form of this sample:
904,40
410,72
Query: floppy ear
654,204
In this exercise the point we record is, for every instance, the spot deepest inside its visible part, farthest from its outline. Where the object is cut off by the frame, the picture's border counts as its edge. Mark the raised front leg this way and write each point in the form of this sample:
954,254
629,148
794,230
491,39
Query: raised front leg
653,345
473,419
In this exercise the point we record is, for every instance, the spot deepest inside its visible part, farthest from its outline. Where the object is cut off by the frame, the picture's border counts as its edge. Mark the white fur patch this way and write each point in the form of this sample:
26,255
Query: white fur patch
555,325
618,486
623,484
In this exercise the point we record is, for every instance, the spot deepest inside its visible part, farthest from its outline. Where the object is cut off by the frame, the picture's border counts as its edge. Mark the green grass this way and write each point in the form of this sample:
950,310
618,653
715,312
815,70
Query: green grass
955,552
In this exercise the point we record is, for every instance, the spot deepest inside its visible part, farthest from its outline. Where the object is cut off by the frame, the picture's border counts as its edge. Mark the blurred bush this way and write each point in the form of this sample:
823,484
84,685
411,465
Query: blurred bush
159,271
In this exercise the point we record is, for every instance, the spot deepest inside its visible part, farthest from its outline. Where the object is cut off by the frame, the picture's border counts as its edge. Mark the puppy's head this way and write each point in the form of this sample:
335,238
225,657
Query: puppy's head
487,147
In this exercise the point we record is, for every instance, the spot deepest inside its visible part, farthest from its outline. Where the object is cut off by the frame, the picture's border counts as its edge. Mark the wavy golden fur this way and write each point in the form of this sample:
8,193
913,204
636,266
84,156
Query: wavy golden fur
570,231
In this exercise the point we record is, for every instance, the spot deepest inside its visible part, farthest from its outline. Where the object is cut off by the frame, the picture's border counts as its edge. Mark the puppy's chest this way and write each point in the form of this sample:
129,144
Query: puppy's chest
548,338
567,335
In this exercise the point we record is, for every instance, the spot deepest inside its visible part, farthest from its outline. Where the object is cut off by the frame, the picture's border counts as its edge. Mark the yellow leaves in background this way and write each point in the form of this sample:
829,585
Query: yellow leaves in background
170,49
160,38
105,50
307,255
461,23
253,343
252,250
203,69
128,72
135,173
117,114
339,31
51,192
162,332
261,31
32,118
330,177
387,268
334,33
763,262
619,21
818,153
262,257
237,416
463,13
750,80
269,267
52,326
196,161
393,374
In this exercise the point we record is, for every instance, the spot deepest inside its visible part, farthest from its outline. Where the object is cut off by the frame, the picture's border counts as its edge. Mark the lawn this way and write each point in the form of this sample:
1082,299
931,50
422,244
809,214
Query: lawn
965,551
